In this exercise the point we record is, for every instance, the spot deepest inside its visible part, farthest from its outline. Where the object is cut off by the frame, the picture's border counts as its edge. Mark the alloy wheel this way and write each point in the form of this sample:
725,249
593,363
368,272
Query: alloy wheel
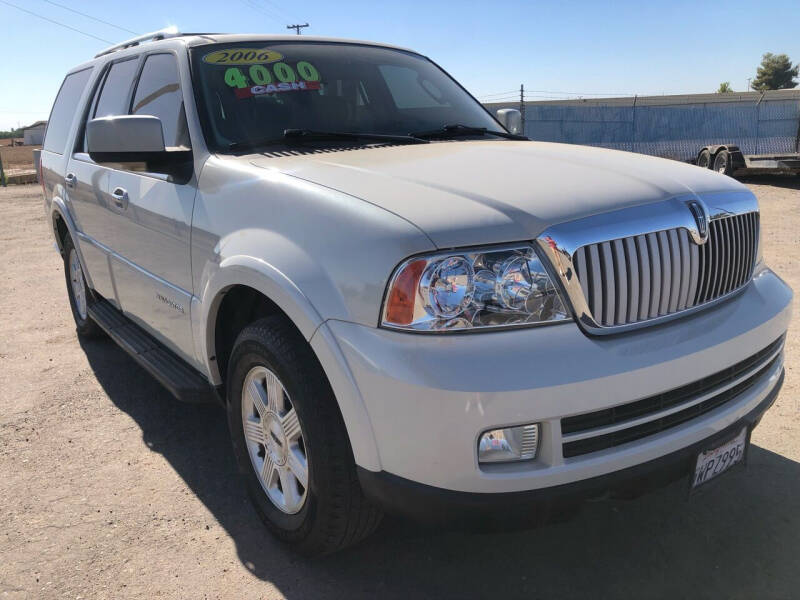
274,440
78,284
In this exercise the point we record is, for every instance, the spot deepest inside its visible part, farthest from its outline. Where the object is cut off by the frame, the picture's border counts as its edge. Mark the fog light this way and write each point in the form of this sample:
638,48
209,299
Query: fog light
509,444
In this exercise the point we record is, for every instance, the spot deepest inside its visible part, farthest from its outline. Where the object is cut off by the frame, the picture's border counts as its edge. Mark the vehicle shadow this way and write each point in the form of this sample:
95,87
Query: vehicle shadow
737,539
789,181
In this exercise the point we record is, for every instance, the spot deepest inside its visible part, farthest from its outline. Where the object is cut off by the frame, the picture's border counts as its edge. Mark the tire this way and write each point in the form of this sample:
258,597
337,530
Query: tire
723,163
80,295
281,374
704,159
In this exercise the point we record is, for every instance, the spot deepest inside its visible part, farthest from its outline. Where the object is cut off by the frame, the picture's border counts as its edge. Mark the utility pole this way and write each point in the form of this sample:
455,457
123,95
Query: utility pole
297,28
522,105
748,83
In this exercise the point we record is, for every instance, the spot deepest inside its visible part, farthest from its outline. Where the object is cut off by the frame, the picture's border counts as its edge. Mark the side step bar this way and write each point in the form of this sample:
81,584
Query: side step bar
184,382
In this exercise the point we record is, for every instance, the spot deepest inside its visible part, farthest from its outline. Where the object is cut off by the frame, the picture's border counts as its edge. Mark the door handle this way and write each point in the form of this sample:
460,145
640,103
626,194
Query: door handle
70,180
120,196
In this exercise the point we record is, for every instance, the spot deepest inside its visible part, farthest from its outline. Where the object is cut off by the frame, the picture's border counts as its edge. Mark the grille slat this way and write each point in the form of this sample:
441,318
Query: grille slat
666,272
596,282
609,283
621,279
646,274
737,250
694,256
632,260
727,279
655,274
634,279
675,275
715,252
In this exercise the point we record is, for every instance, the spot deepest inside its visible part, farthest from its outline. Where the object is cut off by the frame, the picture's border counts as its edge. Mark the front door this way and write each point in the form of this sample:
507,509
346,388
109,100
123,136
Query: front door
151,264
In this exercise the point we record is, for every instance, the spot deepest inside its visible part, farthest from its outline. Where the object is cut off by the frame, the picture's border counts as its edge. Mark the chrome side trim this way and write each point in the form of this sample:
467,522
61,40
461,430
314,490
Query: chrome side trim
559,244
598,431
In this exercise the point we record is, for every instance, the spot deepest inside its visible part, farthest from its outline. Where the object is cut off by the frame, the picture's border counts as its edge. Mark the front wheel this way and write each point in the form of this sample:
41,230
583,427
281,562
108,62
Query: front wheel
291,444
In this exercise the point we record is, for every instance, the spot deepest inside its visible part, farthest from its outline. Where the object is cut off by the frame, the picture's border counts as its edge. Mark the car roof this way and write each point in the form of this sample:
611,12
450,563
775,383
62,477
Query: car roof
217,38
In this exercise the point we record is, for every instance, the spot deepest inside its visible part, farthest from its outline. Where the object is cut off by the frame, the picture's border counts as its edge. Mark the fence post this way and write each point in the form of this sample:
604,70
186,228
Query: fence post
2,173
633,124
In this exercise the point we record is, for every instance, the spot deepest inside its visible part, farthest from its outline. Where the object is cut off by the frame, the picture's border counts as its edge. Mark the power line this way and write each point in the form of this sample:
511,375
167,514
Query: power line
25,10
274,10
278,8
251,4
77,12
578,93
499,94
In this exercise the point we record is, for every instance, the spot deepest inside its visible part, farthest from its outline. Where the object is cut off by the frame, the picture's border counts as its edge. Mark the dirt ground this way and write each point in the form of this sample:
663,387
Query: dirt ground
109,488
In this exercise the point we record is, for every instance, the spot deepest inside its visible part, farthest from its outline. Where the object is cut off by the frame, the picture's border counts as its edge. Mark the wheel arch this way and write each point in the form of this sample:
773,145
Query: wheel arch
62,225
263,289
245,289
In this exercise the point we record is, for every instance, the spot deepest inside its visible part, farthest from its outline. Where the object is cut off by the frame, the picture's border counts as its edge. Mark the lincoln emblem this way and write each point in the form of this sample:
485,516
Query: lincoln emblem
701,218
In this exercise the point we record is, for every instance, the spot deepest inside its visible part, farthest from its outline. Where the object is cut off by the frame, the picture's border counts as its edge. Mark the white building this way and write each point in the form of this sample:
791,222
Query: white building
34,134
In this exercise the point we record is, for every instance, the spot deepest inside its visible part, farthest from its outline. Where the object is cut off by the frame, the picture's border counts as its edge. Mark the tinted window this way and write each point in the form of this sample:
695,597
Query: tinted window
410,90
114,96
64,109
159,94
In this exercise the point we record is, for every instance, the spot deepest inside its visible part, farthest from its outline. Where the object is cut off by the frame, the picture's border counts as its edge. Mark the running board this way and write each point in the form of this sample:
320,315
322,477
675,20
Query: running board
184,382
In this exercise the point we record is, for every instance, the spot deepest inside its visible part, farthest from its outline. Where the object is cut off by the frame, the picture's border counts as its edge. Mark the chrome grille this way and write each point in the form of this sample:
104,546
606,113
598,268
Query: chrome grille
643,277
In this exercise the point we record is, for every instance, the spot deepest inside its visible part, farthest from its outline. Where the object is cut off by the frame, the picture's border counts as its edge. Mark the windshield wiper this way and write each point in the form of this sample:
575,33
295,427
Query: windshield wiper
313,135
458,130
310,135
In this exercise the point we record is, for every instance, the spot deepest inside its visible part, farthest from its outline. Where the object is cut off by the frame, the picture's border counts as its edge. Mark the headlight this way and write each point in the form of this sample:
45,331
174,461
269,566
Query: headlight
472,289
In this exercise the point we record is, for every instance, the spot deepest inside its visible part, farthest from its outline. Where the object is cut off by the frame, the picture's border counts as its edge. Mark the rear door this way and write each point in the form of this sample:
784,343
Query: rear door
58,182
151,264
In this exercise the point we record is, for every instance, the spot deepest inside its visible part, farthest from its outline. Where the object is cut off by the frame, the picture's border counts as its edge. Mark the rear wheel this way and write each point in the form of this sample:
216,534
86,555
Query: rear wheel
704,159
291,444
722,162
80,296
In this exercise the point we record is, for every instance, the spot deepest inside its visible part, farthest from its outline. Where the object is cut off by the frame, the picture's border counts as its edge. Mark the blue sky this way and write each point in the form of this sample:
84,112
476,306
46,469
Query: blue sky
580,47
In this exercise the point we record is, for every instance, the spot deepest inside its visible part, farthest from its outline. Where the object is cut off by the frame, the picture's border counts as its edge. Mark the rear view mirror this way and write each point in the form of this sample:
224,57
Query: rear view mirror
134,138
511,119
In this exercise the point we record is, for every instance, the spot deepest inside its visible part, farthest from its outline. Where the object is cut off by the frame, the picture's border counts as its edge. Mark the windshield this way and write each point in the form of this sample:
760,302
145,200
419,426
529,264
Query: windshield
252,92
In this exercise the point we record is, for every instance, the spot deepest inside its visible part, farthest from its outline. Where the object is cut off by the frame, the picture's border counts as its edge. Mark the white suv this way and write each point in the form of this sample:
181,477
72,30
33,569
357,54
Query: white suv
402,305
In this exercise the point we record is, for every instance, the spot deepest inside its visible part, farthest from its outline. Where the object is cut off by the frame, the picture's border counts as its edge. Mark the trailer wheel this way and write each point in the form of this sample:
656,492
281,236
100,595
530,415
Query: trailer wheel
704,159
723,163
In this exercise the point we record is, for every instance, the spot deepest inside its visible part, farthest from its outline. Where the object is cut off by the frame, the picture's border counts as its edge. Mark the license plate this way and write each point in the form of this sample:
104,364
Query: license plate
715,462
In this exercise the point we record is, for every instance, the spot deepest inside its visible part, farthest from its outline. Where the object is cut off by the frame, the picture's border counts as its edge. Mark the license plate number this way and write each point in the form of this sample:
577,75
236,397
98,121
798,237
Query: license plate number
715,462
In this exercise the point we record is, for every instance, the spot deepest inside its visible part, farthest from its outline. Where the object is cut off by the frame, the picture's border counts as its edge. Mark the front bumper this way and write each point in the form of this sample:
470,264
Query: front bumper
431,505
427,398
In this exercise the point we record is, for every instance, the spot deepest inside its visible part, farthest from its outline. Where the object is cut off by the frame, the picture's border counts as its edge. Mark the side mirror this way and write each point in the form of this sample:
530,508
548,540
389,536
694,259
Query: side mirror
132,139
511,119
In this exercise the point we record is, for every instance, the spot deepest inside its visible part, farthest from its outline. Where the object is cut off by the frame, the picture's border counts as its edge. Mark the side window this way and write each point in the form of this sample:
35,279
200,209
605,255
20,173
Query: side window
114,95
409,90
159,94
64,109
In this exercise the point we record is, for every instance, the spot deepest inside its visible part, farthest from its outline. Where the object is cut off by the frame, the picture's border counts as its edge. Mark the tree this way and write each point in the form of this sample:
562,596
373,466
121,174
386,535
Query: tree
775,73
725,88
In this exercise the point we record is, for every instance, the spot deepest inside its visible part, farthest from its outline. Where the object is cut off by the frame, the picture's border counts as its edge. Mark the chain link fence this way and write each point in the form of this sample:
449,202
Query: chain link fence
670,126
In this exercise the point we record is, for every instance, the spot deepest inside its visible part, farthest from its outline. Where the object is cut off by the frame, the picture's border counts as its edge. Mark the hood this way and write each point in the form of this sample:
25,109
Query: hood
465,193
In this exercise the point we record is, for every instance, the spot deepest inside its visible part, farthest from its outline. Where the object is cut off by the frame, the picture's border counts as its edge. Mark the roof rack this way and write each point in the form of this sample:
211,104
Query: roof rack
161,34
